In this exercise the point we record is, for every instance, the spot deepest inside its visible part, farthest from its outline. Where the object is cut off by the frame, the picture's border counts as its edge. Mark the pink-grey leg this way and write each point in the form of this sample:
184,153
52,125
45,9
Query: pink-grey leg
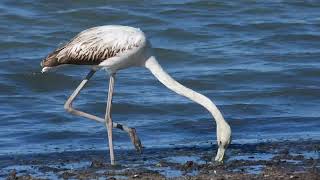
108,118
68,106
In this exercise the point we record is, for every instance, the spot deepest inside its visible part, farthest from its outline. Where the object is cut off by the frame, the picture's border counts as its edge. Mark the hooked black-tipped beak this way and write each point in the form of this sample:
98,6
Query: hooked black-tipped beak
45,69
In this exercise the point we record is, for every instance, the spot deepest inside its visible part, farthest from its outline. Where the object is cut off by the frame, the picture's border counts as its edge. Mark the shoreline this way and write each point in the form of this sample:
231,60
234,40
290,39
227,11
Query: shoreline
268,160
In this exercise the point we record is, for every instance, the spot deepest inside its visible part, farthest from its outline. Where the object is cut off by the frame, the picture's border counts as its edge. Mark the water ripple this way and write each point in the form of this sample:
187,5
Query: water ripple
258,61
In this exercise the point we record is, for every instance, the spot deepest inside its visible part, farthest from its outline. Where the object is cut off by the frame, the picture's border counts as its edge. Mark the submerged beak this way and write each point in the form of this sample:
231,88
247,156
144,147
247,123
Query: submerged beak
220,154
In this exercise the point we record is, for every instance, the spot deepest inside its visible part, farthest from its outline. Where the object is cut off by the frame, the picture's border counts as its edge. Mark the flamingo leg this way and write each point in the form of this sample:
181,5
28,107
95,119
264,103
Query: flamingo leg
108,117
68,106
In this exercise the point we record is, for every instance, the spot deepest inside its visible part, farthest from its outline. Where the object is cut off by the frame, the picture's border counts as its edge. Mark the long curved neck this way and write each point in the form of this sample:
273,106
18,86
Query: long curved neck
155,68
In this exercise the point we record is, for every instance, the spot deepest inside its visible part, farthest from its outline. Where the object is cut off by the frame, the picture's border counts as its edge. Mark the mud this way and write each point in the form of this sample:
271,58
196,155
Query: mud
269,160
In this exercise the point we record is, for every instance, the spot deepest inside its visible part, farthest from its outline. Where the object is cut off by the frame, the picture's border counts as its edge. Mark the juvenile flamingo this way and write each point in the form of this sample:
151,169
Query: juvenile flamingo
113,48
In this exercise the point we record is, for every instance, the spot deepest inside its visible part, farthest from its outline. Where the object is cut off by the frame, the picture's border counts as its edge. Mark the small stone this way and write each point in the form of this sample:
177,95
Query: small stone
12,175
293,177
189,163
67,175
285,152
96,164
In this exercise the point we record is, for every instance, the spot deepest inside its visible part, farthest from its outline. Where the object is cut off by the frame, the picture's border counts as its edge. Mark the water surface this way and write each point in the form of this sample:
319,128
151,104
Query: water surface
258,61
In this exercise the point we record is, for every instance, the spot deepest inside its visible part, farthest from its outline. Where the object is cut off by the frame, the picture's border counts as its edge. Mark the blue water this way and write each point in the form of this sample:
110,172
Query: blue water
258,61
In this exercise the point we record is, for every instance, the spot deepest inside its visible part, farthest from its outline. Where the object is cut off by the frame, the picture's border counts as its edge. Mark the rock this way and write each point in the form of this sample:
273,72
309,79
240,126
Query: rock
189,164
12,175
96,164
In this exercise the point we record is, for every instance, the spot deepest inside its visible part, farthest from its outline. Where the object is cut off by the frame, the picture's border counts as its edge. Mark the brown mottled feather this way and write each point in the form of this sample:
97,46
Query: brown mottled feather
92,46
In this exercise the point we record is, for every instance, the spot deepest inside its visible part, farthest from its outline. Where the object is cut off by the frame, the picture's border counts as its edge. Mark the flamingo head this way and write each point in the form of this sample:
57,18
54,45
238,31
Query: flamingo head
223,140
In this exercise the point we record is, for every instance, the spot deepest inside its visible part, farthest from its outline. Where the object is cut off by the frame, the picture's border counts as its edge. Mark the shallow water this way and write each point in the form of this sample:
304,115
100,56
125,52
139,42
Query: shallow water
258,61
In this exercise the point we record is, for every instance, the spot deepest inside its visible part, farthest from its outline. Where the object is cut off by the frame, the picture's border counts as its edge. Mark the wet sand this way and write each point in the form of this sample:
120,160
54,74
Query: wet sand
269,160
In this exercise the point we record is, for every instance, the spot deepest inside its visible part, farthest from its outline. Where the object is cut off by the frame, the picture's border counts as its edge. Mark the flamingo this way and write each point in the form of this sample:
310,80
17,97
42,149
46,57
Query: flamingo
116,47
